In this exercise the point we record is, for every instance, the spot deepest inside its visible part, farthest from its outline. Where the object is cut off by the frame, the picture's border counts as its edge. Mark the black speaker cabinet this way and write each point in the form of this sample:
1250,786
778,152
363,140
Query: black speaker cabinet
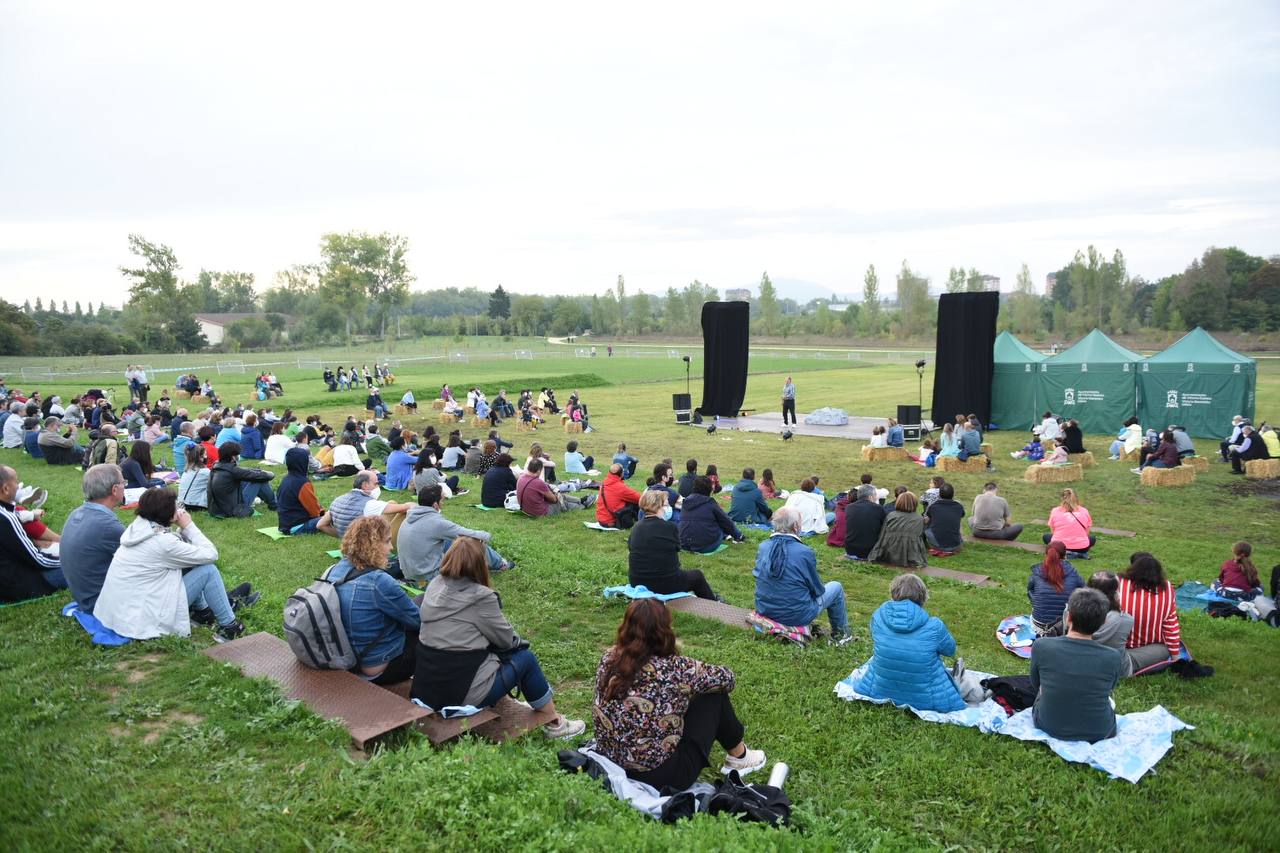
908,415
681,402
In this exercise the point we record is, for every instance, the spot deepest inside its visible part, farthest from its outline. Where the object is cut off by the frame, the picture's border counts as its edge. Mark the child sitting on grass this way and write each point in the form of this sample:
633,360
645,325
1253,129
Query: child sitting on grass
928,455
931,494
1033,452
881,494
714,476
1239,576
767,486
879,437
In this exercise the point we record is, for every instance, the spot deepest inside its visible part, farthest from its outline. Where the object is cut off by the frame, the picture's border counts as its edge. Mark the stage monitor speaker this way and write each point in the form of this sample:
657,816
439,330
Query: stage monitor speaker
681,401
683,416
912,433
725,339
909,415
965,355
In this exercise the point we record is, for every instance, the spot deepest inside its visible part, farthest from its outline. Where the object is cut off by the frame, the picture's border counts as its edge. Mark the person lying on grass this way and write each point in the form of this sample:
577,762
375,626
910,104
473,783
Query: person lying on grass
468,653
657,713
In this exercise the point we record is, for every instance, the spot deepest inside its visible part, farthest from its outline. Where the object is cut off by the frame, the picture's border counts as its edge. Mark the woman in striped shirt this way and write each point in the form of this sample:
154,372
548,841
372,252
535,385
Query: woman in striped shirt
1149,599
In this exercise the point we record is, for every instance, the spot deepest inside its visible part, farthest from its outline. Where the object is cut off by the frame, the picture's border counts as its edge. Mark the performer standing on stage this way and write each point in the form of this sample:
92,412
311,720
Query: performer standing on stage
789,401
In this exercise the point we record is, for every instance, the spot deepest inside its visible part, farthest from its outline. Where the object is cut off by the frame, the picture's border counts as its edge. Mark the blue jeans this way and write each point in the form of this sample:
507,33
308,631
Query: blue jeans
305,527
832,601
496,560
251,489
161,439
522,670
1117,448
55,578
932,539
205,589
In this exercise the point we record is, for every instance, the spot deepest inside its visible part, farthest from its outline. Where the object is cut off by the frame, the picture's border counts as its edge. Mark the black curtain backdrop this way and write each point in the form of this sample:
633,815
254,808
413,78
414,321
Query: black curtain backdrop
965,355
725,338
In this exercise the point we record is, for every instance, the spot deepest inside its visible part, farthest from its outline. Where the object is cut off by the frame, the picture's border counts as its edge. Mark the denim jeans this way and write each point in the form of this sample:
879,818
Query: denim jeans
832,601
305,527
251,489
520,669
55,578
496,560
205,589
932,539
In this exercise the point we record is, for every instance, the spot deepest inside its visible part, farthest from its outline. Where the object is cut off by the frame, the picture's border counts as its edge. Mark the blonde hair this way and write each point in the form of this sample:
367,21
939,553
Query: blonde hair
1070,502
653,501
362,543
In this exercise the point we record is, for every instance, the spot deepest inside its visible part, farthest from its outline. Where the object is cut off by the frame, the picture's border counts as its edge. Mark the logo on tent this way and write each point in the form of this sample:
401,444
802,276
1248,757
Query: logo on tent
1237,370
1126,367
1146,368
1069,399
1084,367
1191,367
1171,400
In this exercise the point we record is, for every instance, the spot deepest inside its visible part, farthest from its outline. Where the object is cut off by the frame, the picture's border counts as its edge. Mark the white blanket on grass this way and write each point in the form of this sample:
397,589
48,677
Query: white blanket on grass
1142,738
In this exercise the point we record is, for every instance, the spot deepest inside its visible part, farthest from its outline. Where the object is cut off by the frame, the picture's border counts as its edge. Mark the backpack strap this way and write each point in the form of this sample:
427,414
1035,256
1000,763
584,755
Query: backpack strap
354,575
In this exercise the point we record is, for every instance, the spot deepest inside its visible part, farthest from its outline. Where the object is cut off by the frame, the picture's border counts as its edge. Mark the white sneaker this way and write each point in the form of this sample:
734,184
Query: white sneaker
565,728
24,492
1135,470
750,761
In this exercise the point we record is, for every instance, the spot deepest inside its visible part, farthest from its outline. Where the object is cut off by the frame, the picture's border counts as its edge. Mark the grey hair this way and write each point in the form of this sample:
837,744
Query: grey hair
363,477
16,406
100,480
52,420
867,492
786,520
187,428
909,587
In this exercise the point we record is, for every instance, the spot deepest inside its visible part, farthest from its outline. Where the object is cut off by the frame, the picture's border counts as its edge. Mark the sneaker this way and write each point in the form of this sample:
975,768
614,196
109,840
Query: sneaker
226,633
24,492
37,499
238,604
203,616
840,639
1013,453
748,762
1135,470
564,728
239,592
461,492
1113,458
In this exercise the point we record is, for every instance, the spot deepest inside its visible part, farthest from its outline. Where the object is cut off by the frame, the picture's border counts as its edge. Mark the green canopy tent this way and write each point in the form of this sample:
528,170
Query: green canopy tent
1199,384
1094,382
1014,383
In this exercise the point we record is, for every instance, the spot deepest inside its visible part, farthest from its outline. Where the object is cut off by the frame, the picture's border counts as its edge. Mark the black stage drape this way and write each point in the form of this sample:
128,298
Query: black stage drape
725,338
965,355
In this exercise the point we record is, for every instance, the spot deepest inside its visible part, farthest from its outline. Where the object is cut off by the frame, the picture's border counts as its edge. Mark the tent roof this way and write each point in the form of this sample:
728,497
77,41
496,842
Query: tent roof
1095,348
1011,350
1199,346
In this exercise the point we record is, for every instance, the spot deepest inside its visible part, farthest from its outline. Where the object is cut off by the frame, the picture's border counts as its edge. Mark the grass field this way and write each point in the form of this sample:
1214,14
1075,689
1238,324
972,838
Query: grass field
154,746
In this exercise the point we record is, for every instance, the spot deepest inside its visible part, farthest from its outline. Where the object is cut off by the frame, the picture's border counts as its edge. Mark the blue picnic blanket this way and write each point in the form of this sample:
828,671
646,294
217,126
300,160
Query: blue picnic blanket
99,633
642,591
1141,740
1193,595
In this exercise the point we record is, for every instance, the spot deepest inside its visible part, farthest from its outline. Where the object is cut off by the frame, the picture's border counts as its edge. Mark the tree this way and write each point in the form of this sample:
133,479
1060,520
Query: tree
39,306
1024,305
973,281
88,313
955,280
871,301
568,318
529,315
187,335
155,301
499,304
250,332
65,310
915,309
674,315
621,288
374,264
17,330
641,313
79,312
770,313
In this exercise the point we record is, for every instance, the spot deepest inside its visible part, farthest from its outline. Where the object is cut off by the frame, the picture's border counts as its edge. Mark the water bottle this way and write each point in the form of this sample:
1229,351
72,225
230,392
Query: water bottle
778,777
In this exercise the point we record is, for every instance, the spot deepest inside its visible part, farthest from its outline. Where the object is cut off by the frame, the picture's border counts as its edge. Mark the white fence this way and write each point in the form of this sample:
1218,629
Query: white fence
521,354
230,367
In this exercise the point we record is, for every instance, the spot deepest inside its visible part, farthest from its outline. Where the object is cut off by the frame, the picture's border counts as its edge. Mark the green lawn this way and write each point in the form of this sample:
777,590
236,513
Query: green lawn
153,745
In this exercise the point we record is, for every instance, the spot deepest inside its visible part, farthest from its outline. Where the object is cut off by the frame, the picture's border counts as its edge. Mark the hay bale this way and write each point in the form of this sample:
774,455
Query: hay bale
974,464
573,426
1054,473
479,422
1199,464
1262,469
468,411
884,454
182,393
1131,455
524,426
1084,460
987,450
437,404
448,418
401,409
200,399
1168,477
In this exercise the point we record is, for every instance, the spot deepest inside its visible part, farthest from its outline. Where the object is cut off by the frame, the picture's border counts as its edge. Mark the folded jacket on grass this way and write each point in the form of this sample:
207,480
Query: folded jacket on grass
641,591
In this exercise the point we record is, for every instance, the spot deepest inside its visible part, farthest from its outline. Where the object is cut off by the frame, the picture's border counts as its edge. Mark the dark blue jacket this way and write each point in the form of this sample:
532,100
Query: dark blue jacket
746,504
1047,603
895,437
30,441
251,443
703,524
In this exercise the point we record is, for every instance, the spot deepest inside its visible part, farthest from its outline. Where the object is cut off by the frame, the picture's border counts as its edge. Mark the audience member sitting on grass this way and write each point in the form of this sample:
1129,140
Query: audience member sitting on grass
426,472
25,570
1073,676
615,495
1050,584
1070,523
879,437
685,487
1150,599
346,457
31,437
836,535
931,494
653,547
455,455
298,509
1117,625
714,476
991,516
901,541
91,534
548,467
538,499
205,436
863,519
811,507
1071,437
657,713
252,445
185,438
193,485
575,462
703,524
426,535
788,589
1165,455
106,447
376,446
662,480
12,429
1238,577
626,460
233,490
468,653
380,618
942,521
58,443
1033,451
498,481
746,504
363,499
488,458
909,644
138,468
147,593
400,465
229,432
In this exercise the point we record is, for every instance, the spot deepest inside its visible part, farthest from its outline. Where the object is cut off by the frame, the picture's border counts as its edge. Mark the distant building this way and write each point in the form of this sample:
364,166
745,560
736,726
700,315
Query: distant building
991,282
738,294
215,326
1050,281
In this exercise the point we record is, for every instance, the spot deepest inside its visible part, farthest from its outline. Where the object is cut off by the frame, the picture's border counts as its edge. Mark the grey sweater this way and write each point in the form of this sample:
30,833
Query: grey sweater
460,615
423,539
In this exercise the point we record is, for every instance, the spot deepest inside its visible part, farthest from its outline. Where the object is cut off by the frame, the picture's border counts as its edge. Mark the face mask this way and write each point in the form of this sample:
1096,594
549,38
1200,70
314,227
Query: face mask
667,512
376,493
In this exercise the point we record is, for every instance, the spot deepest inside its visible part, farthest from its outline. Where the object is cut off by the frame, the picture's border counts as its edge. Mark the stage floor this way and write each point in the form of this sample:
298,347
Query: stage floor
858,427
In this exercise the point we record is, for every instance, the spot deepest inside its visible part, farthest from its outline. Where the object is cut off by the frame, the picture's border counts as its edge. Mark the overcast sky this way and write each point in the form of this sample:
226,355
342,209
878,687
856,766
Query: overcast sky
551,147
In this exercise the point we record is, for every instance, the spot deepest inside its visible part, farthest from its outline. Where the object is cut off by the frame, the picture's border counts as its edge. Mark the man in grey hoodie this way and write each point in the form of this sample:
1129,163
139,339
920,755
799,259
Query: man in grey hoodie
426,534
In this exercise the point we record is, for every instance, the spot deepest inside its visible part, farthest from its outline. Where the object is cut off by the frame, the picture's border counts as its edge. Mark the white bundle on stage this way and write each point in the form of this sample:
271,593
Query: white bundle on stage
827,417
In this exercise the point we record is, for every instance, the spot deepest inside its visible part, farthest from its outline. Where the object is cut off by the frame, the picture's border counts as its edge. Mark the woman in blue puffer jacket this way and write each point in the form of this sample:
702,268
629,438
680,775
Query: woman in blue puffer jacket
906,666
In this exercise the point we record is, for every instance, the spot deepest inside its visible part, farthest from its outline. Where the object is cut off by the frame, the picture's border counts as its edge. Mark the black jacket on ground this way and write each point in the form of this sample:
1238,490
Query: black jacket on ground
862,523
225,498
493,489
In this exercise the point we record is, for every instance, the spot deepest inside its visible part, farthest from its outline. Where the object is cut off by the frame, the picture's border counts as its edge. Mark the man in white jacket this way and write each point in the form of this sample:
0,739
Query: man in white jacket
811,506
158,573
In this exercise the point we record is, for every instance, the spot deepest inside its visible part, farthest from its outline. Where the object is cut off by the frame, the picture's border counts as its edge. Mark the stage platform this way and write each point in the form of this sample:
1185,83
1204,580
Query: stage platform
858,428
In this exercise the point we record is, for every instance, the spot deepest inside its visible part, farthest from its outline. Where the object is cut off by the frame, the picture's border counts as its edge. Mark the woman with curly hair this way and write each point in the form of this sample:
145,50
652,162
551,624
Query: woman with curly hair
657,713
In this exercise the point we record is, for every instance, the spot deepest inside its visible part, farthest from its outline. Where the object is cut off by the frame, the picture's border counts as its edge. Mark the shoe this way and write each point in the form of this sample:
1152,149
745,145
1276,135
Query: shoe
461,492
1192,669
748,762
227,633
841,639
38,497
203,616
564,728
238,604
507,565
1135,470
1013,453
239,592
1113,458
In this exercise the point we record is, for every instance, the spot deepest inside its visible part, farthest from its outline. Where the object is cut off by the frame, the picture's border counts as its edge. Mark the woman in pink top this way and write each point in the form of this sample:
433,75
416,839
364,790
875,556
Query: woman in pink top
1069,523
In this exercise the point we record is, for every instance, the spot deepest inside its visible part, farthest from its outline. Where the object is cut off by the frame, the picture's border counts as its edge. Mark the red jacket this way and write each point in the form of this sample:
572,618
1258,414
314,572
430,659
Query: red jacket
615,493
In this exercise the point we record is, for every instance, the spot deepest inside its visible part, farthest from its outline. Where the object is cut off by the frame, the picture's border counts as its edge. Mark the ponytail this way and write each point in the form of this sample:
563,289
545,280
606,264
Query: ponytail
1051,568
1243,553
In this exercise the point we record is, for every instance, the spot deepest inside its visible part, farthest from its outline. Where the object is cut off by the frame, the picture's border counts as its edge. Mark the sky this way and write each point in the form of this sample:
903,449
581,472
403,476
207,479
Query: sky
552,147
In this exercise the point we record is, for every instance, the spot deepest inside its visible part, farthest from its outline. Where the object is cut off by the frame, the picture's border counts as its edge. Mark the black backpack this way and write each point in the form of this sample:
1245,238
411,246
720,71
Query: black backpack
751,803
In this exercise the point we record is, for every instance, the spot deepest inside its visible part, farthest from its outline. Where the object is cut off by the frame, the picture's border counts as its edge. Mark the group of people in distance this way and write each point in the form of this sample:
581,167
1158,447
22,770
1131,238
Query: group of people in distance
356,378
